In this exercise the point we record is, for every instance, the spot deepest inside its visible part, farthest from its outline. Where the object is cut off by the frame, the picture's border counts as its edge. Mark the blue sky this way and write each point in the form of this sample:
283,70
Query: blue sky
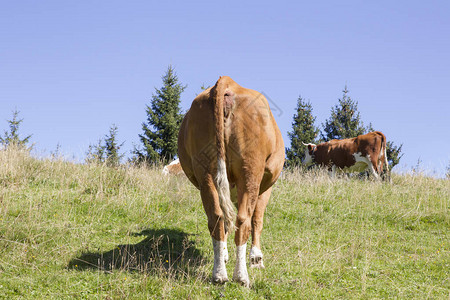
73,68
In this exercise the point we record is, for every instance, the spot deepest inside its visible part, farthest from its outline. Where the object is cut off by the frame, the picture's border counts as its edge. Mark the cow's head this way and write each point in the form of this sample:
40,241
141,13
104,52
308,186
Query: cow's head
309,154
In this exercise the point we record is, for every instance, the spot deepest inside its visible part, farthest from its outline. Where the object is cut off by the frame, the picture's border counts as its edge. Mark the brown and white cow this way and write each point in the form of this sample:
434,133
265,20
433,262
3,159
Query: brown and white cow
357,154
230,144
174,168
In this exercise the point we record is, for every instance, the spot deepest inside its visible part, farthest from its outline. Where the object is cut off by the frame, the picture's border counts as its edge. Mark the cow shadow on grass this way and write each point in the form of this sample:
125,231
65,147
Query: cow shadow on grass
162,251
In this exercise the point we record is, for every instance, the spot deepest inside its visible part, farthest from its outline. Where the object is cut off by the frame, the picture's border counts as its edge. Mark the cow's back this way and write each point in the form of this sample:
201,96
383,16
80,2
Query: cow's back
251,136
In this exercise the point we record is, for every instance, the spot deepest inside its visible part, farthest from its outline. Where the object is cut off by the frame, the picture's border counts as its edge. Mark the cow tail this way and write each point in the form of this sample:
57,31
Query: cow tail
221,179
383,148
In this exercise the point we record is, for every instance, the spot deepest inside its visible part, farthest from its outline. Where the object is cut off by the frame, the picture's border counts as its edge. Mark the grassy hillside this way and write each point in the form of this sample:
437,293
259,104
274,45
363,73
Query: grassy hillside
84,231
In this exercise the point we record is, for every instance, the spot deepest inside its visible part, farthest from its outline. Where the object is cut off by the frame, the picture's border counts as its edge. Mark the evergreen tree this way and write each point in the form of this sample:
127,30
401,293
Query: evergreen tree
393,154
303,130
112,148
96,153
345,121
106,150
11,137
160,133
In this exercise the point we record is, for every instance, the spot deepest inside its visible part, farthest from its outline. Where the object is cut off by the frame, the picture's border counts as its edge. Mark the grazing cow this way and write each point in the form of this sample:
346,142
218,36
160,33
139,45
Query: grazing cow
357,154
174,168
230,144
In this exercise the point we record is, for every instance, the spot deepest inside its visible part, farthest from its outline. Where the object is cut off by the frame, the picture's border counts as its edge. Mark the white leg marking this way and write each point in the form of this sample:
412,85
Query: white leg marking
371,168
225,254
256,258
219,270
240,270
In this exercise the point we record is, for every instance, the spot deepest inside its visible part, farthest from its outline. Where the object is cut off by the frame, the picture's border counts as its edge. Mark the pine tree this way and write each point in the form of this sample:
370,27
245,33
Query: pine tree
12,138
96,153
160,131
106,150
393,154
303,130
345,121
112,148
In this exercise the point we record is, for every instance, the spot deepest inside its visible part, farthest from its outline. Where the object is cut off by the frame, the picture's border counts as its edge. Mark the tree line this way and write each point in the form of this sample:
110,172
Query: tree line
158,139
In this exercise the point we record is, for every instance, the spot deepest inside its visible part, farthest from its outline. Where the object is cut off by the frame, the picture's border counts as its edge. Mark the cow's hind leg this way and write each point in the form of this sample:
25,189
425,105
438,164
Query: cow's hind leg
216,227
256,256
246,205
372,165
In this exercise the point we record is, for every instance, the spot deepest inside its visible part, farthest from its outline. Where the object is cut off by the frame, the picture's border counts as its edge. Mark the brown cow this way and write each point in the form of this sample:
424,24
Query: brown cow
230,144
357,154
174,168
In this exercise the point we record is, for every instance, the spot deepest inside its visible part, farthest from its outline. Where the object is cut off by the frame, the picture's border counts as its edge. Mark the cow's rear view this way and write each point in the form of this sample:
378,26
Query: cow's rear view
230,140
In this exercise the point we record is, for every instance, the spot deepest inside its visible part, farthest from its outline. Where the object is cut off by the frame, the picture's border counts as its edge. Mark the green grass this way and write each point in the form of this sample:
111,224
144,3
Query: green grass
84,231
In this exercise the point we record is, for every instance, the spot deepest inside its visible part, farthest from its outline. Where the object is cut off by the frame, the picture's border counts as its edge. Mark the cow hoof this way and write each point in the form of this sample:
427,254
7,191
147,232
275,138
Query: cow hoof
220,274
219,279
256,258
257,263
242,279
